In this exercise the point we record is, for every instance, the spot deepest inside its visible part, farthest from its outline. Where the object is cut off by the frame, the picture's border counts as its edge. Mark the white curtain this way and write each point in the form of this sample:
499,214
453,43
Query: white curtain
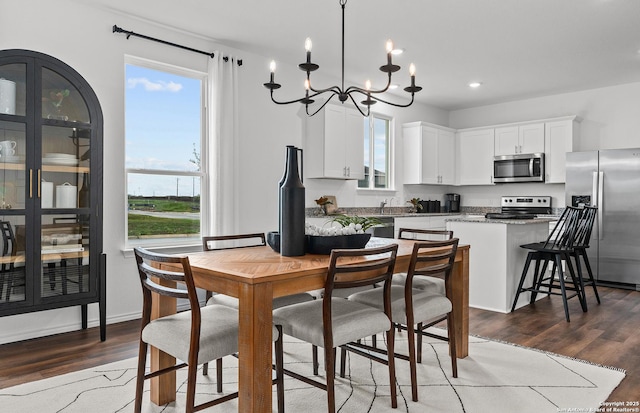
222,145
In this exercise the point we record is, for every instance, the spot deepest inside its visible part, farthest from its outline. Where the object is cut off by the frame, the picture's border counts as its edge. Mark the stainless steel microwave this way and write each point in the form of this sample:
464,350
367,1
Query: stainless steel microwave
527,167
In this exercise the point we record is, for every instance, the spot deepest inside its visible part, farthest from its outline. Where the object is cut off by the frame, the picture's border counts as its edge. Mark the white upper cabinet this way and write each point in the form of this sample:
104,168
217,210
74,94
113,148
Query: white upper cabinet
525,138
560,138
475,157
334,144
429,154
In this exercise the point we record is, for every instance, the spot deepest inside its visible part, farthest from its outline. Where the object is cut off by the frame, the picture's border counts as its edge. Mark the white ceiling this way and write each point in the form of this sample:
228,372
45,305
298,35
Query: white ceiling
516,48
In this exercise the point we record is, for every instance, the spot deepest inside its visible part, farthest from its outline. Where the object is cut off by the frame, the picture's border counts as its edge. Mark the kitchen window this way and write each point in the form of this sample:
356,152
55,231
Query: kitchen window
165,169
377,150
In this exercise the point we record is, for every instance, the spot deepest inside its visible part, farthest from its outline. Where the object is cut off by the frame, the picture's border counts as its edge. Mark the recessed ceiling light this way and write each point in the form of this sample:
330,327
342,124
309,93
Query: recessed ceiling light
397,51
393,86
475,84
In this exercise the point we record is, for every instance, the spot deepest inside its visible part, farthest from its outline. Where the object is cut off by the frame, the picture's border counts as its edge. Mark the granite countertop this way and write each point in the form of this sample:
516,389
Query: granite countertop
392,215
482,219
414,215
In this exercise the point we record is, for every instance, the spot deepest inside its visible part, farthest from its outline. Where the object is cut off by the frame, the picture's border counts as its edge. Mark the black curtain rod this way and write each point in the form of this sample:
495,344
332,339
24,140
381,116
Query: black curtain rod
129,33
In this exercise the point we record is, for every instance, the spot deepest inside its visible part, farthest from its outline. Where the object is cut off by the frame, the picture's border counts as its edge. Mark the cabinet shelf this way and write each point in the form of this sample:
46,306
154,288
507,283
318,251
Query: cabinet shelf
61,168
46,168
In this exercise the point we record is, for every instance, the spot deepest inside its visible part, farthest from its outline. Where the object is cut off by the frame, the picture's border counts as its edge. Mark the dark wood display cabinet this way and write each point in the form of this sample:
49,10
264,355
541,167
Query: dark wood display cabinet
51,167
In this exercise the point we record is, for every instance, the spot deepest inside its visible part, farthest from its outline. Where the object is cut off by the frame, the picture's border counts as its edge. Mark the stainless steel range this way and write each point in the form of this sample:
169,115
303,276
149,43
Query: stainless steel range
522,207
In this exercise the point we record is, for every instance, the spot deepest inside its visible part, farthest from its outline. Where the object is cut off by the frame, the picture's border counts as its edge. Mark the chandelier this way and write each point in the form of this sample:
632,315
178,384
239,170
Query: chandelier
352,93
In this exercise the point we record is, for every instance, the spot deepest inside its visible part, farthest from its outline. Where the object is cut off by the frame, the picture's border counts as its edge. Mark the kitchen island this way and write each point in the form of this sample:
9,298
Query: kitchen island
496,259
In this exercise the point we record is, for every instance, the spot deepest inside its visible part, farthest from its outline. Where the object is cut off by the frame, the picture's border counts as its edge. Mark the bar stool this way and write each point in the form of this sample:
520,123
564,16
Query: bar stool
574,225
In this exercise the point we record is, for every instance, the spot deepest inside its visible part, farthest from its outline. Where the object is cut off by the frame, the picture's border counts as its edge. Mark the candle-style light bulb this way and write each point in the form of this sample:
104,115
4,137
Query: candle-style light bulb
367,85
412,73
307,84
272,68
307,47
389,49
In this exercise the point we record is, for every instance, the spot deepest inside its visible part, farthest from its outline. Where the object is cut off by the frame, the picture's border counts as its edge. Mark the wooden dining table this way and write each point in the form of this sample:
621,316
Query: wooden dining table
257,275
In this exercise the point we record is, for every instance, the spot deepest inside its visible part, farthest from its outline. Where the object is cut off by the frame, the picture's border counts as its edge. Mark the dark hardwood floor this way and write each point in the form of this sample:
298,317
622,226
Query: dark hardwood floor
607,334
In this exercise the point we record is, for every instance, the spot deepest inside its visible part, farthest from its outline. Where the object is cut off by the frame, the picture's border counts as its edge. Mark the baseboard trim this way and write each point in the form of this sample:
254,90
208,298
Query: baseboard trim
73,326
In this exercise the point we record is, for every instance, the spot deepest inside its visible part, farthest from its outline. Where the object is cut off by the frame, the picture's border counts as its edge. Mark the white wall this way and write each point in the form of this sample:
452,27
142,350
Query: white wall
609,119
82,37
609,116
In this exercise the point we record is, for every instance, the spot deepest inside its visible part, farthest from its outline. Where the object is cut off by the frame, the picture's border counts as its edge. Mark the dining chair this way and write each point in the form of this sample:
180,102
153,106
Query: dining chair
335,322
436,283
193,337
221,242
410,306
568,239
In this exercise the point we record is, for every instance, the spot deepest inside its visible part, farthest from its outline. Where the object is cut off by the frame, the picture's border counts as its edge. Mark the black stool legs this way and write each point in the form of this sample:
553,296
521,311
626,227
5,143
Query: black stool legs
539,281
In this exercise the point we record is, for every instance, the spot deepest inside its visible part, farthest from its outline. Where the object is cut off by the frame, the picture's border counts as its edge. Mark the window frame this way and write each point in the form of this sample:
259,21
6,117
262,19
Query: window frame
202,173
371,155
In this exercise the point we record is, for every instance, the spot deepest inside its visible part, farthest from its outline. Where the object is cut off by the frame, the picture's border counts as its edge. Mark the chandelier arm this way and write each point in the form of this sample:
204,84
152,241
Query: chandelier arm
335,89
358,107
321,106
398,105
288,102
361,90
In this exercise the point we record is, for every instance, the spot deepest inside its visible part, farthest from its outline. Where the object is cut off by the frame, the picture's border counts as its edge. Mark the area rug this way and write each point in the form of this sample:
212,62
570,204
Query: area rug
496,377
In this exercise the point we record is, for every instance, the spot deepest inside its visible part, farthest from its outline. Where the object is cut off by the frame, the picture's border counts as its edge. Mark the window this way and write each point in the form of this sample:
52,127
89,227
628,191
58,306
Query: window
164,117
377,163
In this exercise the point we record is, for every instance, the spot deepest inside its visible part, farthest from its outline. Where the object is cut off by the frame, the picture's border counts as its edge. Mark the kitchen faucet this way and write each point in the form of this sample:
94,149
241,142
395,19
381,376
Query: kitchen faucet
382,204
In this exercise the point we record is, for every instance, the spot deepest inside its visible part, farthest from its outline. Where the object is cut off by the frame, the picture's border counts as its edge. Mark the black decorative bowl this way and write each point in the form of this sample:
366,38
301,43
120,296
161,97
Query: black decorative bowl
273,239
323,245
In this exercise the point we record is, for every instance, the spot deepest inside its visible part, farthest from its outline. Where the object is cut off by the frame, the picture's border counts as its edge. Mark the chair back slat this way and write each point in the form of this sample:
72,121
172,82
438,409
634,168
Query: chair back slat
344,273
152,273
563,234
222,242
432,258
166,291
585,227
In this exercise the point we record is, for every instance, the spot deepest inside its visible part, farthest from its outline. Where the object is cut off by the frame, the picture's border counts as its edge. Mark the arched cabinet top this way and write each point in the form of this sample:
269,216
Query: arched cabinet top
28,77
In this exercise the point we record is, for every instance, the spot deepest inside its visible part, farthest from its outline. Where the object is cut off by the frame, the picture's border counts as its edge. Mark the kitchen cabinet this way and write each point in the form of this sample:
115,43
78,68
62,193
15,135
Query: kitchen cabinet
475,156
560,137
50,188
516,139
429,154
421,221
334,144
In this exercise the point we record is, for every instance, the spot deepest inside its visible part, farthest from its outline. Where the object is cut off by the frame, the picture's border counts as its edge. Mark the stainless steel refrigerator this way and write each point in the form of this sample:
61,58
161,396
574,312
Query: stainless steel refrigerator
610,180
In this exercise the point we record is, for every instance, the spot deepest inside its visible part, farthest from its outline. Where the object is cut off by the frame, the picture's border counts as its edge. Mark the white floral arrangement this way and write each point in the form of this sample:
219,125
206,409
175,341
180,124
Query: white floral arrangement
349,225
311,229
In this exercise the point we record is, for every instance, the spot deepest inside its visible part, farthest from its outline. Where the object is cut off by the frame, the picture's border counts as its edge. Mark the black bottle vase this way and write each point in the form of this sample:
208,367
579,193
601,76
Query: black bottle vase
291,211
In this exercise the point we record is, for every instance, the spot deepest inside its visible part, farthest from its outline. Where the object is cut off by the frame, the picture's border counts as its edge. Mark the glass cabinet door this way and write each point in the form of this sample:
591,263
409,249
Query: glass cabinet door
65,255
15,287
64,187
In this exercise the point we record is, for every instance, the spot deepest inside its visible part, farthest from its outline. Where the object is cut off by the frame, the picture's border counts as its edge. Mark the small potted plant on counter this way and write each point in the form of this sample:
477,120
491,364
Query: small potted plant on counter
415,202
322,203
